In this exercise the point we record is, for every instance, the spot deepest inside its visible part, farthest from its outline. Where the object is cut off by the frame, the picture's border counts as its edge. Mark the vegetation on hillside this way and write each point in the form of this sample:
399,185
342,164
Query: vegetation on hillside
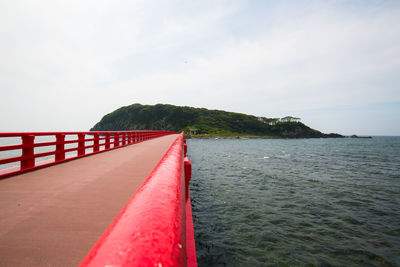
202,122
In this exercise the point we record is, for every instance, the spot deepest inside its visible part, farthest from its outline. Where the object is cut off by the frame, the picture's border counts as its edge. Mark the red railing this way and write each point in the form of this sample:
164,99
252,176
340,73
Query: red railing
98,142
155,228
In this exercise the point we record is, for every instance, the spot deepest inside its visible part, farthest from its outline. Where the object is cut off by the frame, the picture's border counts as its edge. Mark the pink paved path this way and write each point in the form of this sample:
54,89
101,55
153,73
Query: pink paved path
53,216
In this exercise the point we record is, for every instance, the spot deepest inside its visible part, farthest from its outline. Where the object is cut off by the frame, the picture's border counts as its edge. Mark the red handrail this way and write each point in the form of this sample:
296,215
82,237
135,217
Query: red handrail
155,228
102,141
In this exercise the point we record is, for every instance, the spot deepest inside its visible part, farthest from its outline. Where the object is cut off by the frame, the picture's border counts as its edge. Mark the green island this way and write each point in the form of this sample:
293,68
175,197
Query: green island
204,123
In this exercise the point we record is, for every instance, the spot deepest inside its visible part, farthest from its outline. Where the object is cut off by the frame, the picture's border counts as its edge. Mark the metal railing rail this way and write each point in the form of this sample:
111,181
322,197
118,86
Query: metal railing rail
100,141
155,228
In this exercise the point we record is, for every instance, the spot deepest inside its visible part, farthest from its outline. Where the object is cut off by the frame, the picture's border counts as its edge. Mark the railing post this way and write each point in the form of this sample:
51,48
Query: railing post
116,139
107,141
188,175
28,140
129,138
81,144
96,147
60,148
123,139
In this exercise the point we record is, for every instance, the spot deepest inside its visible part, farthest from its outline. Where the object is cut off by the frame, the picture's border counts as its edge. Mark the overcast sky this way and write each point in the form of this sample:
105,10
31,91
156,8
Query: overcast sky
334,64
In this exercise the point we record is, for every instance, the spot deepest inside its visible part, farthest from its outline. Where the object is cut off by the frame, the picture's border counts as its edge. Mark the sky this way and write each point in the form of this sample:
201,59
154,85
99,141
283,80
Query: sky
335,64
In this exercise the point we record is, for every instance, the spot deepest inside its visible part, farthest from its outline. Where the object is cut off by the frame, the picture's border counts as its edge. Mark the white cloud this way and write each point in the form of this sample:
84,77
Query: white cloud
320,61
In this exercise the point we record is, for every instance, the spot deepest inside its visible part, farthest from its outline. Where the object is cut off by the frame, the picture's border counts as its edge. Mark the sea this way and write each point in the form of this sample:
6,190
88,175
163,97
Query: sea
296,202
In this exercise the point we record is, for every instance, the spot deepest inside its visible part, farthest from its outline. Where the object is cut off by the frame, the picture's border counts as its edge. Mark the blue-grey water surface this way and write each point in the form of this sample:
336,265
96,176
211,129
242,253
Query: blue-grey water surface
298,202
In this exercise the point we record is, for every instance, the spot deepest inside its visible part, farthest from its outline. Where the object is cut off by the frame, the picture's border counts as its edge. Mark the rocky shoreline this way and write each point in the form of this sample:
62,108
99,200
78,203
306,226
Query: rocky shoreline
331,135
262,137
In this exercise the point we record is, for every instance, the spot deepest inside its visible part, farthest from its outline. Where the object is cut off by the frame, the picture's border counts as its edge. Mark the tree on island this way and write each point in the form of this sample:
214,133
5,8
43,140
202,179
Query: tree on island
203,122
290,119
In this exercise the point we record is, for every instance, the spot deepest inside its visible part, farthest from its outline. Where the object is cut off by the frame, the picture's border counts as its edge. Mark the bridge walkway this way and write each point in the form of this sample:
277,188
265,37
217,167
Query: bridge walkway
53,216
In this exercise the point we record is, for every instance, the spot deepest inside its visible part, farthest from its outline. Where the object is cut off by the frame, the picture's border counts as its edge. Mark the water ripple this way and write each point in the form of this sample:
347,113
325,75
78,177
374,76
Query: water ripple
320,202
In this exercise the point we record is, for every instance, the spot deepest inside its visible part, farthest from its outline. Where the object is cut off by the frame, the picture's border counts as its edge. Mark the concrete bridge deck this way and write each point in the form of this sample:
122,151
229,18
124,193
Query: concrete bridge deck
53,216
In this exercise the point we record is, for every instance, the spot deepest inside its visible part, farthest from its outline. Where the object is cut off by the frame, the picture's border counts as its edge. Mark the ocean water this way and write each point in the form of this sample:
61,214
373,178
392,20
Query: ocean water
296,202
